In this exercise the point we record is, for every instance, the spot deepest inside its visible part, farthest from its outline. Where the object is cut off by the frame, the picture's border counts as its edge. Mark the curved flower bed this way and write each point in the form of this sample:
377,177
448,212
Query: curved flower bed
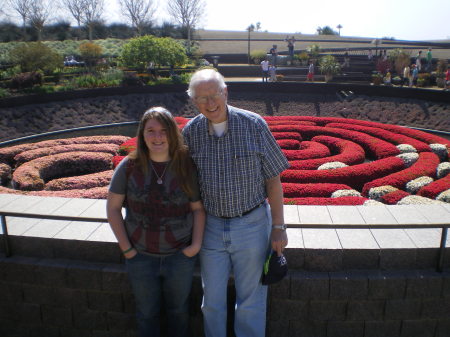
32,176
334,161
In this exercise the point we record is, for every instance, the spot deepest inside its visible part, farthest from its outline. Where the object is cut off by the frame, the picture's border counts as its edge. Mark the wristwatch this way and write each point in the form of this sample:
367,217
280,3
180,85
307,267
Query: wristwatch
282,227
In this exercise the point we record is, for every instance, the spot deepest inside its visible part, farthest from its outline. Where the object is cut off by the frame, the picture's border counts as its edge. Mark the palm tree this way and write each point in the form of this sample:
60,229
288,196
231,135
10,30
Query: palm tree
339,26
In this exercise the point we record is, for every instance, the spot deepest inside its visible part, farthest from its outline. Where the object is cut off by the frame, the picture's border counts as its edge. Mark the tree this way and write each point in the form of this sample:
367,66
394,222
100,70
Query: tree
92,14
22,7
39,13
187,13
139,12
86,12
141,51
327,30
339,27
76,8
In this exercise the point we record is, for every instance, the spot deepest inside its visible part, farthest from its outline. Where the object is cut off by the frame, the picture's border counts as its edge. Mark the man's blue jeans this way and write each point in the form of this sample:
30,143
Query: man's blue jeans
156,278
237,245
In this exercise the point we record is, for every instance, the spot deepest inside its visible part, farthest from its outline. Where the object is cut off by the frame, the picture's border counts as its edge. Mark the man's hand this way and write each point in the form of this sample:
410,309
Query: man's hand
279,240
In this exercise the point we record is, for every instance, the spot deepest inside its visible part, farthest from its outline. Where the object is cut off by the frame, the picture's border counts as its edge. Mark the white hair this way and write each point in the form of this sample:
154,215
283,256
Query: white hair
205,75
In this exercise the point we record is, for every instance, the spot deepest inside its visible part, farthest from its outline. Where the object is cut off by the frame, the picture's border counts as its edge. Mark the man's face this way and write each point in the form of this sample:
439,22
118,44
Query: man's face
211,101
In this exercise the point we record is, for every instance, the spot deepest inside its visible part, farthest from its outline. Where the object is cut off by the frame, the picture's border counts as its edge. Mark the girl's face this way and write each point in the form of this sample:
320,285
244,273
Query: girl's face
155,138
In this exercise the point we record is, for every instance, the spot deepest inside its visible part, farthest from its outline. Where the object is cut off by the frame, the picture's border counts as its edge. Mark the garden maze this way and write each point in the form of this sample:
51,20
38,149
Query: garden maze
333,161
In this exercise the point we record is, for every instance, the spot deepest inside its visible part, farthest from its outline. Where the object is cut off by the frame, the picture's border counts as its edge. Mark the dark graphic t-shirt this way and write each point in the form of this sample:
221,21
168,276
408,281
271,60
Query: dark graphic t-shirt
158,216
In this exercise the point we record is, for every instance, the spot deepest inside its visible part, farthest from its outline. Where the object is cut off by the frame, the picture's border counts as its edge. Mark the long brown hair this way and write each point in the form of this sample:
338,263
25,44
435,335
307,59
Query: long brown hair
180,164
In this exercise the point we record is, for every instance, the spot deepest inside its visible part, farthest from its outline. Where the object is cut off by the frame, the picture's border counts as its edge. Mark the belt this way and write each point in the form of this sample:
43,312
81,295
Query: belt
244,213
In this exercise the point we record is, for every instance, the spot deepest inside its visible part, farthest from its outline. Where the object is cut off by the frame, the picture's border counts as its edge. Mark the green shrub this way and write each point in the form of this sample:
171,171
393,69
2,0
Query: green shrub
112,75
131,79
91,53
35,56
257,56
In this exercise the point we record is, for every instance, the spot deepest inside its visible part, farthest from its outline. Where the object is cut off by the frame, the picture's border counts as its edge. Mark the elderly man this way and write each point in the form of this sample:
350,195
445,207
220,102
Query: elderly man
239,165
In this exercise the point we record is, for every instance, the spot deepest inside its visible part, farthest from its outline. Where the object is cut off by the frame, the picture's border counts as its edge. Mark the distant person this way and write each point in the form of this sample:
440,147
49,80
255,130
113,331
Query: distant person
447,79
415,74
273,73
406,76
310,76
274,53
346,63
429,60
291,45
370,55
265,70
387,78
419,61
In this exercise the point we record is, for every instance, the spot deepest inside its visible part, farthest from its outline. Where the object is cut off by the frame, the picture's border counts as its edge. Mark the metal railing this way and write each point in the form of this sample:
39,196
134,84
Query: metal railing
439,266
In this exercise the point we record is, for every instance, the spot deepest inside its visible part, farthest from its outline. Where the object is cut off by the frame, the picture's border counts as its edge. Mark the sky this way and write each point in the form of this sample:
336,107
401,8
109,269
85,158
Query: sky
401,19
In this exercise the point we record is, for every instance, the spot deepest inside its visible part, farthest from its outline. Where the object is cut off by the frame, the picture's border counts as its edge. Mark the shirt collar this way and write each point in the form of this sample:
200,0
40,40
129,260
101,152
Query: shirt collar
210,127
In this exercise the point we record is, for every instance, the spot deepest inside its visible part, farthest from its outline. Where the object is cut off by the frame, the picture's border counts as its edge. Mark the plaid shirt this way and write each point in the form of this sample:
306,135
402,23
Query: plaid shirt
233,168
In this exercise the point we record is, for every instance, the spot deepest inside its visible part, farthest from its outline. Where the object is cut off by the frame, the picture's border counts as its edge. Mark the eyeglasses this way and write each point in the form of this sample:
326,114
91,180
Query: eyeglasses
204,99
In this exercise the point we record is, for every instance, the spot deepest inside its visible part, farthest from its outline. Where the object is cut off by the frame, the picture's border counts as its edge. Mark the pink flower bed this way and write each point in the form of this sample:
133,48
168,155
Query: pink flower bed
32,175
333,161
7,154
87,181
26,156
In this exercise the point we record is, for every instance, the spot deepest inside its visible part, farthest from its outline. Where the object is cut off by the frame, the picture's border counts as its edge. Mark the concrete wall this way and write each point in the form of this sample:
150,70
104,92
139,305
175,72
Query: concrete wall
67,288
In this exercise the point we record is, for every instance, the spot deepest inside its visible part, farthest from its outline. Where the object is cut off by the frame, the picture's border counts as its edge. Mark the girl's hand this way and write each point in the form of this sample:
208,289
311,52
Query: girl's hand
191,250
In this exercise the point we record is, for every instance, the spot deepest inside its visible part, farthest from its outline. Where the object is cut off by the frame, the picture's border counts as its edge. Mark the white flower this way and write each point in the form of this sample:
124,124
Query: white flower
441,150
443,169
332,165
372,203
408,158
345,193
406,148
376,193
444,196
417,200
414,185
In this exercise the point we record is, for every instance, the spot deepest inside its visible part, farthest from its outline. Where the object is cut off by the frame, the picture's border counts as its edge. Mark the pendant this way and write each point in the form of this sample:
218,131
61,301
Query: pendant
159,181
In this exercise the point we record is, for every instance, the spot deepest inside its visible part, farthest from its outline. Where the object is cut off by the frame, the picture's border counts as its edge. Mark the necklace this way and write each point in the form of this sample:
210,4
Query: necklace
159,180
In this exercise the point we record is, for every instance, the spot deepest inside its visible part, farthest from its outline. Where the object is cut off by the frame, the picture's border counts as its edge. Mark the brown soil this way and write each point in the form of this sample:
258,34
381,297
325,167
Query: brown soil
34,119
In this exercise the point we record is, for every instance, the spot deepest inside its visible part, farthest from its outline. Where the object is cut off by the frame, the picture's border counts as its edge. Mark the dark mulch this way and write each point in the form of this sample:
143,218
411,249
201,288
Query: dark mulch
39,118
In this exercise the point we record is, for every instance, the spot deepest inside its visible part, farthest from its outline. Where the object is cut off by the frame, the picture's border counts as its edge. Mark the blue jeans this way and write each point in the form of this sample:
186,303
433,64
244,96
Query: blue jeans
155,278
237,245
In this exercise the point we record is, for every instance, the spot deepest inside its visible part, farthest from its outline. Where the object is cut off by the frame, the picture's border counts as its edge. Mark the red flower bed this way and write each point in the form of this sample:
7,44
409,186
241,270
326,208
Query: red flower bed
389,136
287,135
292,190
32,175
435,188
307,150
347,152
326,201
355,176
393,198
129,146
26,156
87,181
424,166
289,144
